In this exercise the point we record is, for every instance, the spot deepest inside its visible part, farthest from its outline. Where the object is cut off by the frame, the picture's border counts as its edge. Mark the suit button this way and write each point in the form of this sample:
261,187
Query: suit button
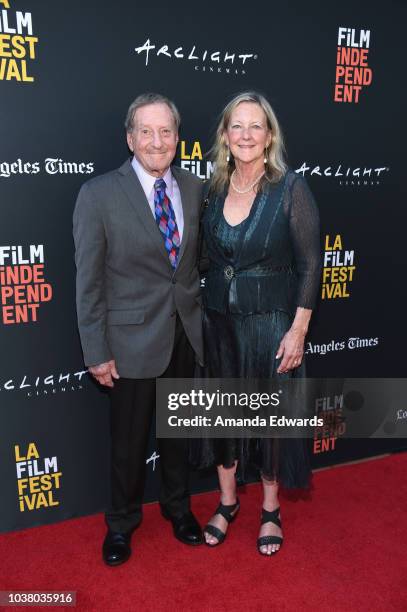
173,281
173,314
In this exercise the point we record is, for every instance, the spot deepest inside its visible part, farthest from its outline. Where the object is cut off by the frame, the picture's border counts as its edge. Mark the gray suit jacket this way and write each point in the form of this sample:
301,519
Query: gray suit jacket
127,291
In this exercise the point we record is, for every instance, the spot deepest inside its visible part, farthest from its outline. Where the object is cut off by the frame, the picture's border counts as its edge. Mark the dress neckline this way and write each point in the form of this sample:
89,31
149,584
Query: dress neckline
253,206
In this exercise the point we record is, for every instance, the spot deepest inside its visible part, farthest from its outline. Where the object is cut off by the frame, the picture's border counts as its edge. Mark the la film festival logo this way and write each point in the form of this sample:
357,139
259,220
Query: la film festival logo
330,409
201,58
17,44
352,68
37,479
192,159
338,270
23,287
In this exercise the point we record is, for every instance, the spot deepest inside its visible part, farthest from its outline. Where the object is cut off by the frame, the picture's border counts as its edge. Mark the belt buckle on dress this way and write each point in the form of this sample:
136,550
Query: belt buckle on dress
228,272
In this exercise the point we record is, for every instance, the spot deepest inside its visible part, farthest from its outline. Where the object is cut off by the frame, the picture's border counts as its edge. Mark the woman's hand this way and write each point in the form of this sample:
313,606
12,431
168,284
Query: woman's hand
291,347
291,350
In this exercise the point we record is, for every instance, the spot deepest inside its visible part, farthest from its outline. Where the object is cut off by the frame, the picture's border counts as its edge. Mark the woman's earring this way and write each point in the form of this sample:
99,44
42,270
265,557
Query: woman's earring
265,156
228,155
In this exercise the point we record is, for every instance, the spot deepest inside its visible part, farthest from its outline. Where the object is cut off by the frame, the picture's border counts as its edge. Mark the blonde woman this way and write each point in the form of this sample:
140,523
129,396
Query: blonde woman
261,237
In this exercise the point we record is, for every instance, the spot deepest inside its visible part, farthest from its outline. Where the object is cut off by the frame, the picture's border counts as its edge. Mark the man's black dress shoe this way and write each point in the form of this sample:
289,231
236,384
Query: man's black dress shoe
116,548
186,528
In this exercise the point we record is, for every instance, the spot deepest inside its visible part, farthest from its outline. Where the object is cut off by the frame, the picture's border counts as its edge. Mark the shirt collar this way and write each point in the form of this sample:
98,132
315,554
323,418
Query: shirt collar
147,180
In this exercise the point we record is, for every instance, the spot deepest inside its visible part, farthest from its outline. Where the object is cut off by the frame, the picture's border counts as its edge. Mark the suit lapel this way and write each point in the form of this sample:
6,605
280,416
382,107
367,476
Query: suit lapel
186,209
134,191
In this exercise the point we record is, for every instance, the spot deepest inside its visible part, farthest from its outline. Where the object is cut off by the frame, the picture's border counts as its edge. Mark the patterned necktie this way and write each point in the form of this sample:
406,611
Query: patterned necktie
165,218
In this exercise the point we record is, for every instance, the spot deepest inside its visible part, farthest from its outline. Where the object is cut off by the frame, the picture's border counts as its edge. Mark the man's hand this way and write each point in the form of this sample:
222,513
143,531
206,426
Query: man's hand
105,372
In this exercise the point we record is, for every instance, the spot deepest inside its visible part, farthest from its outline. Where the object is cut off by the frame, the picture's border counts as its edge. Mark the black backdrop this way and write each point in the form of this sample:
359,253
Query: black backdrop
67,103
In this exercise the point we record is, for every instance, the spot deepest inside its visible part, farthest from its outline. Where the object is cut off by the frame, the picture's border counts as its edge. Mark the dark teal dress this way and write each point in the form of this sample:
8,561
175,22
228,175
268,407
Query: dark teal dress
258,272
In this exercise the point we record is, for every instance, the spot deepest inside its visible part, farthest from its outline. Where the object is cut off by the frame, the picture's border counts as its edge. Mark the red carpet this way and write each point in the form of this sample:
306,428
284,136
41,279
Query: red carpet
345,550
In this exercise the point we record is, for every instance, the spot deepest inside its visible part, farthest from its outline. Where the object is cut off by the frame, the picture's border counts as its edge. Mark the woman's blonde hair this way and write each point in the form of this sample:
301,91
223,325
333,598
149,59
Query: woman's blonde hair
275,167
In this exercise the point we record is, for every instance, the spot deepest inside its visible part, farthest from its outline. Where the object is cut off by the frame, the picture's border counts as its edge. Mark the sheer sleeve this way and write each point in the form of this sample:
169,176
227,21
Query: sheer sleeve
305,238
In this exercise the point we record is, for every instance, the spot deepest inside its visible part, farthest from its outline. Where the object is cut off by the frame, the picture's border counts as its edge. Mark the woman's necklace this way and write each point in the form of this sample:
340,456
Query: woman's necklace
249,188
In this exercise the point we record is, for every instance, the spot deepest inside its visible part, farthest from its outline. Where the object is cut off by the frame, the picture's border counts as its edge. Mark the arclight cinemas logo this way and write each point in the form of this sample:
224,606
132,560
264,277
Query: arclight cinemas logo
51,165
50,384
345,175
201,58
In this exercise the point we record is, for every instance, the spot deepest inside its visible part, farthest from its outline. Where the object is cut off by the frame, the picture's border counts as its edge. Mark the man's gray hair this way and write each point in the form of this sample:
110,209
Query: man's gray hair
146,99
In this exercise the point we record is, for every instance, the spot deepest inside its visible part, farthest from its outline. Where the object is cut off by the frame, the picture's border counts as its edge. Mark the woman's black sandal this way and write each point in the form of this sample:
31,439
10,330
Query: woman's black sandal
226,512
269,517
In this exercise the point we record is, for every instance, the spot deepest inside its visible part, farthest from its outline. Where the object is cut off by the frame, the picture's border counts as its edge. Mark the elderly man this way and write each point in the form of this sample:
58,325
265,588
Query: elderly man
139,309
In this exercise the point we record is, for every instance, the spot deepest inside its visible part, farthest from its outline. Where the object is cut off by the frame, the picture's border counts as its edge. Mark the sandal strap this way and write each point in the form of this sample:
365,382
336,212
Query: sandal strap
264,540
226,511
215,532
270,517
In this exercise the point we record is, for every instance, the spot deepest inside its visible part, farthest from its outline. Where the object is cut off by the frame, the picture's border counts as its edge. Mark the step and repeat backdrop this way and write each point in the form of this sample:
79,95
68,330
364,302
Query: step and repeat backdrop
68,72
